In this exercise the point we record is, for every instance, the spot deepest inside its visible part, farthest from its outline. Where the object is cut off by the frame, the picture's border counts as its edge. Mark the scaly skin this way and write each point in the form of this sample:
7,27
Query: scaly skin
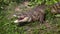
38,13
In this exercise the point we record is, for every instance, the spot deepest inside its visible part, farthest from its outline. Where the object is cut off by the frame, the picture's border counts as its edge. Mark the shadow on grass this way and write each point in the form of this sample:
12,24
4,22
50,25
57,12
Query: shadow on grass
28,23
23,24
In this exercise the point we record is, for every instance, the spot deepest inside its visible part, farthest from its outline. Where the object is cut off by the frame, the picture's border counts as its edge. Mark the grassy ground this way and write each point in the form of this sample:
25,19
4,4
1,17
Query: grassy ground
7,25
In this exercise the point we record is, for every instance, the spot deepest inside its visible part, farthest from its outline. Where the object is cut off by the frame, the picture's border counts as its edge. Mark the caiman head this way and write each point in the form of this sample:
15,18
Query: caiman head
22,18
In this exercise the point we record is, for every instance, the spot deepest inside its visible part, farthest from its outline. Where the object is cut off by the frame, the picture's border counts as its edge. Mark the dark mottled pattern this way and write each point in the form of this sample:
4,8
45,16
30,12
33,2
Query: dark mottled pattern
38,13
55,8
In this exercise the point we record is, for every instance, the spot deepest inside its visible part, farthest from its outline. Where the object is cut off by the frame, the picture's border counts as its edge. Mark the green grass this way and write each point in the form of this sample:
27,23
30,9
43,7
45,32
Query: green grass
7,25
31,28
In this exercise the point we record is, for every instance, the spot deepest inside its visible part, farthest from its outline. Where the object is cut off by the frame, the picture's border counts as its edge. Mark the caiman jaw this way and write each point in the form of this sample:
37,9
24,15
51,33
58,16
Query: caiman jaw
23,20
